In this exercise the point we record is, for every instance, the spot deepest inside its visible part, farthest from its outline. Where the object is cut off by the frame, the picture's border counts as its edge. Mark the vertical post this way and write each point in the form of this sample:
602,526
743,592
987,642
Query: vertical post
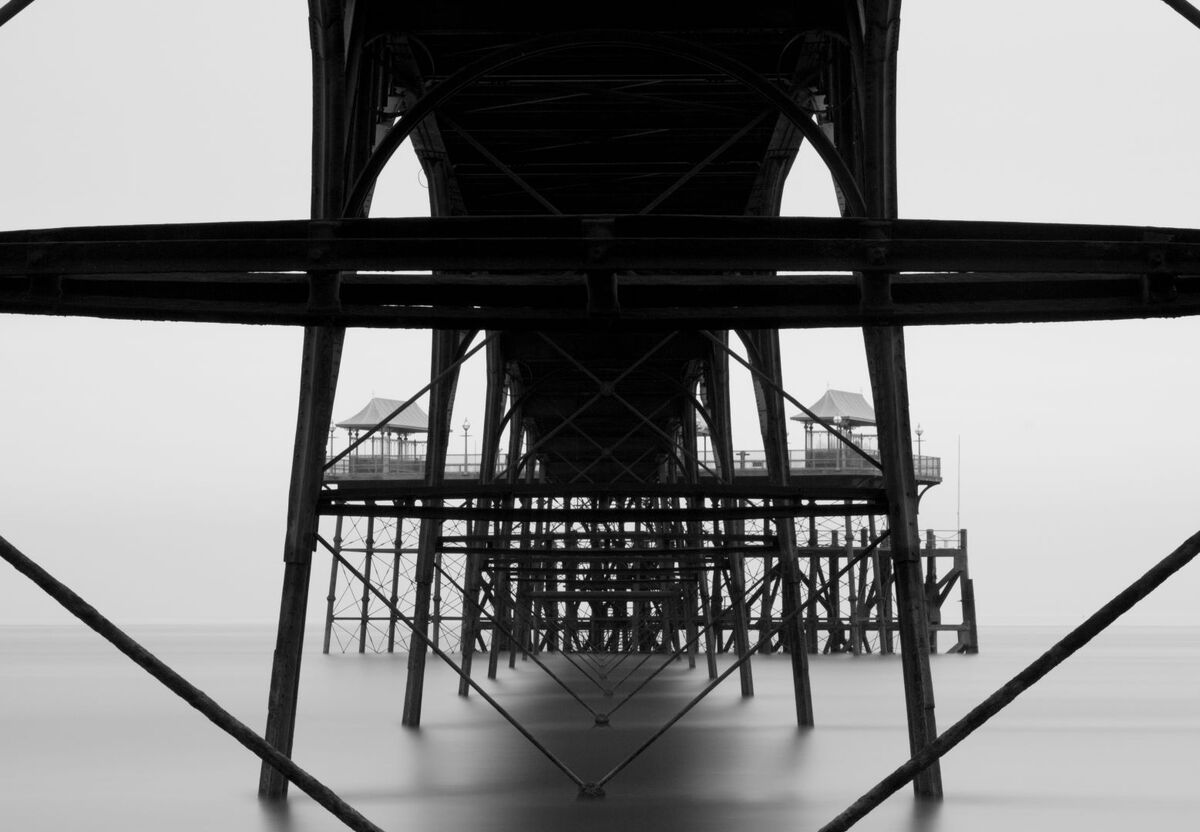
446,344
933,611
489,451
886,358
833,591
717,389
710,637
436,620
851,596
331,598
741,617
499,614
883,581
715,610
472,598
763,348
368,572
970,639
397,554
875,54
814,580
322,352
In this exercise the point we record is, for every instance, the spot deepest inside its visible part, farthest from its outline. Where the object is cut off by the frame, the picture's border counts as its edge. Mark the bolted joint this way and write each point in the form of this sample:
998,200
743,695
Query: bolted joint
324,292
45,287
603,299
591,791
1159,288
599,236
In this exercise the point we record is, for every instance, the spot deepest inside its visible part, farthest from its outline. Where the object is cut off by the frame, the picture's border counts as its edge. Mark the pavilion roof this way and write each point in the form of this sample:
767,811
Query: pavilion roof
410,420
843,407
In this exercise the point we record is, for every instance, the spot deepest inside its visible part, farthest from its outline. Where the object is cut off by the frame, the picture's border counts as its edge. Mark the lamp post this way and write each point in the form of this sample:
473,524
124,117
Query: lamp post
466,431
919,432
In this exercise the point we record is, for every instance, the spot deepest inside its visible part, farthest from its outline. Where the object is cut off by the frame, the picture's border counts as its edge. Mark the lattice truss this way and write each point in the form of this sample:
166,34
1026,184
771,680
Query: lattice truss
848,591
549,586
385,549
588,586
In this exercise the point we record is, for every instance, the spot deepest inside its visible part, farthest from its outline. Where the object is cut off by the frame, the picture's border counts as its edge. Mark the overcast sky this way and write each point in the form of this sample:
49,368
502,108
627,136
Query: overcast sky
147,464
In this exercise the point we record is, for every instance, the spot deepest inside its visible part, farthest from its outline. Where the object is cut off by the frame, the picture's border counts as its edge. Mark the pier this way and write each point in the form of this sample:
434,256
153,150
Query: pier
605,238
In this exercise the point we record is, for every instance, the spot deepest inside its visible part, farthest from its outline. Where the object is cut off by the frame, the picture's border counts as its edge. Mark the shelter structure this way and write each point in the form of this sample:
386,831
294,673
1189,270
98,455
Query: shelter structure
605,195
843,561
390,448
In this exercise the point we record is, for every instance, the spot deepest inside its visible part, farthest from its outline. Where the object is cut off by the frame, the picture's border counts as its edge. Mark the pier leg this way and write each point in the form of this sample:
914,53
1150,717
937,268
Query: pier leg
369,571
741,620
331,598
762,346
970,640
441,401
470,611
397,554
321,356
885,353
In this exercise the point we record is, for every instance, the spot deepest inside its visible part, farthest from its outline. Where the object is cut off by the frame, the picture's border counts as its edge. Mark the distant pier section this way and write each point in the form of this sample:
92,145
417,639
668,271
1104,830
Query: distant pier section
395,450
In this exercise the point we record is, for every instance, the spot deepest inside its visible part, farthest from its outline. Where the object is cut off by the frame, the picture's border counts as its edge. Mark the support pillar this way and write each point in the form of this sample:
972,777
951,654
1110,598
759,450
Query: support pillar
970,639
762,346
368,573
885,353
321,357
331,598
446,346
874,157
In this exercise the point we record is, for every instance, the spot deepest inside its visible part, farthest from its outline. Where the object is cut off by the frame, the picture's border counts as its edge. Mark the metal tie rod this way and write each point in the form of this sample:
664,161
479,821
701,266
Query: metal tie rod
1052,658
497,624
596,789
708,626
441,654
186,691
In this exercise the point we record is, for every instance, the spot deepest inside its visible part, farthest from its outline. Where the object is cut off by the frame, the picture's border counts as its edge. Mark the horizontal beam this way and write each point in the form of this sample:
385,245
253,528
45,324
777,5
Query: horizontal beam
527,272
758,301
329,508
606,597
644,574
469,539
607,553
755,489
616,243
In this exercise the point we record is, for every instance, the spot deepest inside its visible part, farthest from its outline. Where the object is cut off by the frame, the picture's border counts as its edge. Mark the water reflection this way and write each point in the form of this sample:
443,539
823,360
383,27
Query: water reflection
1090,748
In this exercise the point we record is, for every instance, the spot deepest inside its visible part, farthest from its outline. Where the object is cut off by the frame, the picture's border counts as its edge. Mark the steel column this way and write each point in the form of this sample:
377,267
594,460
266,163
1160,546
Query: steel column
762,346
321,356
445,349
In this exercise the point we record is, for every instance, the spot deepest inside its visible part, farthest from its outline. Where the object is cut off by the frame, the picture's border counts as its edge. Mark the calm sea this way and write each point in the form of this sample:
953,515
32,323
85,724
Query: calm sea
88,741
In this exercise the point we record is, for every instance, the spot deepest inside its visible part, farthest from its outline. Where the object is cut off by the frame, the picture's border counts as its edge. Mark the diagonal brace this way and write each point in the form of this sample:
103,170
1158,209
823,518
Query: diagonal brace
437,651
186,691
1014,687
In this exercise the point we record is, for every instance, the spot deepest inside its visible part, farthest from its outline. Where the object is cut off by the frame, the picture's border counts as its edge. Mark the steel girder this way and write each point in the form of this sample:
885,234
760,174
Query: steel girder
532,272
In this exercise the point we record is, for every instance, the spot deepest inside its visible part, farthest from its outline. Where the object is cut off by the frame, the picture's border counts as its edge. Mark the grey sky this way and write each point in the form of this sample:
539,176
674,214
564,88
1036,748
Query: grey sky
146,464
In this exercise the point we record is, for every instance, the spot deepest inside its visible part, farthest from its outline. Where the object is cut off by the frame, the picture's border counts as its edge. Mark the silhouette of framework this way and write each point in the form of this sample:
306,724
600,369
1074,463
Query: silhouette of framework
604,213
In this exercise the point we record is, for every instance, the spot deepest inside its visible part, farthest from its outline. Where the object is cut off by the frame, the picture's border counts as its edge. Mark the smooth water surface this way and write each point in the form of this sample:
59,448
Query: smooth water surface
88,741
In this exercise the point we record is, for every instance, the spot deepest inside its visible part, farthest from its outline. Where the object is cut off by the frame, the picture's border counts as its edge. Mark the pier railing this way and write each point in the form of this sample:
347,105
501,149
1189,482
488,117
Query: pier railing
815,461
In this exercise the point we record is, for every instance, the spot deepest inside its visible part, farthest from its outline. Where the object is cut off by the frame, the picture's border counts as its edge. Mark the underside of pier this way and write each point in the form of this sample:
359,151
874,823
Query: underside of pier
605,232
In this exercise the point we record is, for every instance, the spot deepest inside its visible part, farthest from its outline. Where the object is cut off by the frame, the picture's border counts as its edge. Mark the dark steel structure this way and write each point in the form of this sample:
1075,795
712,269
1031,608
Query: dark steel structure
605,204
